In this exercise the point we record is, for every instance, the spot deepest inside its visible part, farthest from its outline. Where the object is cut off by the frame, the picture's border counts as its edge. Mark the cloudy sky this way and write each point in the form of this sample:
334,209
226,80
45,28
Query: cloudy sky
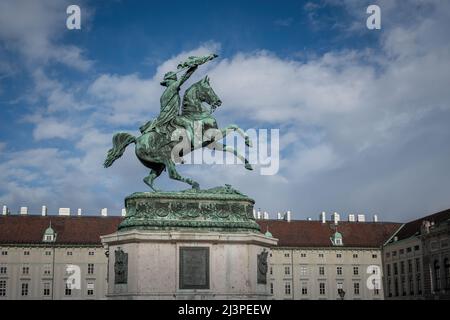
363,115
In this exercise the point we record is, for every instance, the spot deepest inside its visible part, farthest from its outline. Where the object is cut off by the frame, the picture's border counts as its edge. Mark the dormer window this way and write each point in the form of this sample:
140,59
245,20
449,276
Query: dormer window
336,239
49,234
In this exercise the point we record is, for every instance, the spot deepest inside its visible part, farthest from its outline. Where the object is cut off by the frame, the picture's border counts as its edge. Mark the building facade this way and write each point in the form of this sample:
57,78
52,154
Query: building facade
416,259
61,257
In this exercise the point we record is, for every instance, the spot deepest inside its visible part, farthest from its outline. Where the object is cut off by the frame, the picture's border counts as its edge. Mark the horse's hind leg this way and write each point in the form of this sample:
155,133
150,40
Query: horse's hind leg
223,147
173,174
152,176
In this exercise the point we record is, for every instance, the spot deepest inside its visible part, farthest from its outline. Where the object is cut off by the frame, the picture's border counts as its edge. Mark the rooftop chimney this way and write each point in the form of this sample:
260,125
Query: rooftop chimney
351,218
258,215
279,216
375,218
266,215
309,219
104,212
44,211
23,210
79,212
288,216
254,214
124,212
335,217
64,212
361,218
5,210
323,217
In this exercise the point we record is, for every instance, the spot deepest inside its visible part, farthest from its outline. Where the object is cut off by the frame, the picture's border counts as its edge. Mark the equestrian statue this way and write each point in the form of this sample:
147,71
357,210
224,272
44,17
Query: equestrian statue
156,147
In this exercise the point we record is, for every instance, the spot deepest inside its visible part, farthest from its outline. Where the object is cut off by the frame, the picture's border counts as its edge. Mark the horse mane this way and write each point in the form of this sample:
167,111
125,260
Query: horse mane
189,97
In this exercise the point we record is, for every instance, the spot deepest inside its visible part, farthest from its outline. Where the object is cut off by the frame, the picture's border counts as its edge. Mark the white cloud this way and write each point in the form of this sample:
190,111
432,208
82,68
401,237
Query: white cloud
32,28
360,130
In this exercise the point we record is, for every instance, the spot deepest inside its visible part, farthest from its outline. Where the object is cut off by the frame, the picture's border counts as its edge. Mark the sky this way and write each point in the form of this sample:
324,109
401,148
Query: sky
363,114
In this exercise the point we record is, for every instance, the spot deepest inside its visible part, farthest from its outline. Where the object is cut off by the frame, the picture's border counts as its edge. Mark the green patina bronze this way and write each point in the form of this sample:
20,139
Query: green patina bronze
219,209
155,146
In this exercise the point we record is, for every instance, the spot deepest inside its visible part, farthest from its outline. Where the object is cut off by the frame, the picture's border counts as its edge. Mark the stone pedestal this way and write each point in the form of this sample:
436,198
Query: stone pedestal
188,245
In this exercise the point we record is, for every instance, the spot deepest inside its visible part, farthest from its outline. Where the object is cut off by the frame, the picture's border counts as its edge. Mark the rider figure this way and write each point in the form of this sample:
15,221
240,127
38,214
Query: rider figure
170,99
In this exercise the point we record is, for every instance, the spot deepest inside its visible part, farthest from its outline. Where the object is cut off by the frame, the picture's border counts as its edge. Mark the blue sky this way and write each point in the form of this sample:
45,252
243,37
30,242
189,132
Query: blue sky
362,114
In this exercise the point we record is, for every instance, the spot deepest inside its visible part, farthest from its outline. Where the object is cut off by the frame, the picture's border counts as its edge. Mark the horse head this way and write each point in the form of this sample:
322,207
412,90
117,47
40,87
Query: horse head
206,94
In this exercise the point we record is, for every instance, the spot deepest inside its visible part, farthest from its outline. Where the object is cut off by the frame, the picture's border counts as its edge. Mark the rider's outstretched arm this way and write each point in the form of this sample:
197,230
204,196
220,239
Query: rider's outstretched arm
187,75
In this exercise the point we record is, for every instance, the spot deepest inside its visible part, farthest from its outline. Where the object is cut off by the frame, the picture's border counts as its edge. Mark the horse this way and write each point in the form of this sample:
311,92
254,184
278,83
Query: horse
155,150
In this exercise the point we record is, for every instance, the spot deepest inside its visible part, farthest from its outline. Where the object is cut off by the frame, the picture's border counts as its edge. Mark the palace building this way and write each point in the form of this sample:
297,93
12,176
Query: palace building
62,257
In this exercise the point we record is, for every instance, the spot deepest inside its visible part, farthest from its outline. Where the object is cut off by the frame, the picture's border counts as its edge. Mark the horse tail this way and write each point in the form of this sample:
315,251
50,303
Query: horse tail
120,141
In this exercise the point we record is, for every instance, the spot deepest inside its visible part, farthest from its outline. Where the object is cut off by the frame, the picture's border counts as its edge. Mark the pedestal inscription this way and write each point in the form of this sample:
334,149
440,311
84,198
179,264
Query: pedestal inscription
120,267
194,268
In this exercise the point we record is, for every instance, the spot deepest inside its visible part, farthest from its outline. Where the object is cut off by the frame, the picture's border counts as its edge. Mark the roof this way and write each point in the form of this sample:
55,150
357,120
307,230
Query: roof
413,227
30,229
86,230
303,233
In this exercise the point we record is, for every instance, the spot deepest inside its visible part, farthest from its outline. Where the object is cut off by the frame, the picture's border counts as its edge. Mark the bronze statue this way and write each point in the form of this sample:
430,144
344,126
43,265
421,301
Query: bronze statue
154,148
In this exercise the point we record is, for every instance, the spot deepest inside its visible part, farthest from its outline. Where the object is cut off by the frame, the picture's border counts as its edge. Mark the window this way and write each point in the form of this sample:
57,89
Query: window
408,250
356,288
26,253
91,253
340,288
417,265
338,255
355,256
48,237
303,255
402,267
419,284
388,254
395,269
355,271
287,255
321,270
46,291
402,251
411,285
303,271
320,255
410,267
322,288
90,289
3,269
25,270
437,275
389,288
68,290
47,269
24,291
2,288
69,253
48,253
90,268
403,286
271,288
416,248
388,269
4,253
304,288
271,271
287,288
394,253
447,273
339,270
396,287
374,256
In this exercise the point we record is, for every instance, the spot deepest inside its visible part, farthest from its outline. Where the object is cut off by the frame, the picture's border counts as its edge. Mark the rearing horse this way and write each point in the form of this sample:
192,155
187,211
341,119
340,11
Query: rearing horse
155,150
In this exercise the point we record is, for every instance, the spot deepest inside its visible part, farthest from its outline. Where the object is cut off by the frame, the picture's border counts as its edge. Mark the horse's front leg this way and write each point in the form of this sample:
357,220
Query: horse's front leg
223,147
232,127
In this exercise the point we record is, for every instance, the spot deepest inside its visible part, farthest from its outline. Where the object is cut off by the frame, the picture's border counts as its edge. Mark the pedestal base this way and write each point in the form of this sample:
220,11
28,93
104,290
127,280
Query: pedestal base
185,265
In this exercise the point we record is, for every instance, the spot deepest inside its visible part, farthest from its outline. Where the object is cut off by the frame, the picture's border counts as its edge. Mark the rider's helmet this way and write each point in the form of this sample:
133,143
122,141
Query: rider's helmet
169,76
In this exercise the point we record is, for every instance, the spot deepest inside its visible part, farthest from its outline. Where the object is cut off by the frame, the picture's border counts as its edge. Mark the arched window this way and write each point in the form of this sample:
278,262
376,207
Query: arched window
437,276
447,273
